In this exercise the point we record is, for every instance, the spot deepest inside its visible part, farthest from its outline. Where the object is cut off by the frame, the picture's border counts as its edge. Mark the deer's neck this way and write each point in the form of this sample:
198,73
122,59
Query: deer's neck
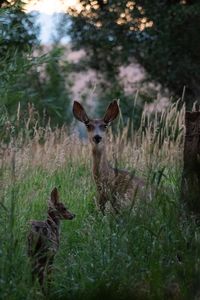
53,220
100,162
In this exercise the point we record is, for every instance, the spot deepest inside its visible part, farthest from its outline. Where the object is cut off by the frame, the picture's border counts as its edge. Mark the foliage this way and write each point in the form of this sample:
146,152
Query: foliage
161,35
41,81
17,30
54,89
28,76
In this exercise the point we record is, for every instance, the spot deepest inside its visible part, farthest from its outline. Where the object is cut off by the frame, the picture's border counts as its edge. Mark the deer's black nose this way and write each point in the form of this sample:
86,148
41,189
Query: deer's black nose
97,139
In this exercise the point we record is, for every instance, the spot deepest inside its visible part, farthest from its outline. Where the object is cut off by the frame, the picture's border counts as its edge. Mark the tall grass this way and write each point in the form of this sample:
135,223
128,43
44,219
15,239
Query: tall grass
150,254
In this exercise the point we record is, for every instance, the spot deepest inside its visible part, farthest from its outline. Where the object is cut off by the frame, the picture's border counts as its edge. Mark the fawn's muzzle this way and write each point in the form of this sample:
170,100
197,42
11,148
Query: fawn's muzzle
97,139
71,217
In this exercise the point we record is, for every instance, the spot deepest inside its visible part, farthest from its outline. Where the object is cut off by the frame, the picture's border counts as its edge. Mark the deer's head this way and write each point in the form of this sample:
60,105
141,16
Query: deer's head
96,128
58,208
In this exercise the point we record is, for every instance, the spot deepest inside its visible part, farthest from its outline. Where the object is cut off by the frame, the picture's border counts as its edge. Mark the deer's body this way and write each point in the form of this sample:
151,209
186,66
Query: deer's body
119,187
43,238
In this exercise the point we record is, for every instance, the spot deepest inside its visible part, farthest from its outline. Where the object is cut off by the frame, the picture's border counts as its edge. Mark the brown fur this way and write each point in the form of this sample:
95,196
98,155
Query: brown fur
119,187
43,238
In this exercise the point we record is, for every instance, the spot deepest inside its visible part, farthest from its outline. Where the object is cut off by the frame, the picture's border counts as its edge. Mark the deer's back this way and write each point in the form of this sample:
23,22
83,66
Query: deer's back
41,239
120,185
126,184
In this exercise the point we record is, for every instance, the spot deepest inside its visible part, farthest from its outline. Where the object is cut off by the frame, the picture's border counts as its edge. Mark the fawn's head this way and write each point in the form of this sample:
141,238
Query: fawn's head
58,208
96,128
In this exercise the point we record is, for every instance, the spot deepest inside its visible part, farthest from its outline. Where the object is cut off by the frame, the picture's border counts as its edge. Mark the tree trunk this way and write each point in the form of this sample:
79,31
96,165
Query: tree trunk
191,169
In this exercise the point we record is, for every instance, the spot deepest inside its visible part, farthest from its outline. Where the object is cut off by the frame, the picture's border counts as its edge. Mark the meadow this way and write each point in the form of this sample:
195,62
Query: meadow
148,252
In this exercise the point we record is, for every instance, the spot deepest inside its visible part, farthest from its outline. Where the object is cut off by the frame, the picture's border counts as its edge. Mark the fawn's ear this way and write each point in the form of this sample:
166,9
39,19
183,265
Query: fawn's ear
79,112
111,112
54,196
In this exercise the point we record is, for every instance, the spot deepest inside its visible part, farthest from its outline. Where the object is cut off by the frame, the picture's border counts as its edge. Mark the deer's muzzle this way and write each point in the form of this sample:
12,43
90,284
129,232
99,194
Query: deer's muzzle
97,139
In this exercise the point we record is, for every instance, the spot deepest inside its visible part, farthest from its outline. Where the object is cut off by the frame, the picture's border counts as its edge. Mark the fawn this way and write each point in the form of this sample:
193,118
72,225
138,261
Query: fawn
114,185
43,238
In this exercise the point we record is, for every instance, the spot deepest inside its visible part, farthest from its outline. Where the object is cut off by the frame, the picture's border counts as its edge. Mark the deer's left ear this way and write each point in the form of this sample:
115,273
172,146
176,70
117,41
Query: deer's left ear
111,112
54,196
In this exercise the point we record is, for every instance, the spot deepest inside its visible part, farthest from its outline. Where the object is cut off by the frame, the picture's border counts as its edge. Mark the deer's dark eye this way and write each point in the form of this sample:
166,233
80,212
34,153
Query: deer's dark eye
89,126
103,127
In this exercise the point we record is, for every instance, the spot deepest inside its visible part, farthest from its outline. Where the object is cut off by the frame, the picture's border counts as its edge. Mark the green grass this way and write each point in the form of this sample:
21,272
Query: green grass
151,252
140,254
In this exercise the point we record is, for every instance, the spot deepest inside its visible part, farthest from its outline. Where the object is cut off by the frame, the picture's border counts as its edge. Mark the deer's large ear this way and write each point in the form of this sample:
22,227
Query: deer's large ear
79,112
54,196
111,112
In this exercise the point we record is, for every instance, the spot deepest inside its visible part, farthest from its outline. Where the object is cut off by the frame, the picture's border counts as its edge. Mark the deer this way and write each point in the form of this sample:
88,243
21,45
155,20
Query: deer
115,186
44,239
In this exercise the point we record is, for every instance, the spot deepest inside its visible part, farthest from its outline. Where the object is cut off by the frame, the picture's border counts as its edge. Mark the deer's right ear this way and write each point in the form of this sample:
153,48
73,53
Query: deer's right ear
54,196
79,112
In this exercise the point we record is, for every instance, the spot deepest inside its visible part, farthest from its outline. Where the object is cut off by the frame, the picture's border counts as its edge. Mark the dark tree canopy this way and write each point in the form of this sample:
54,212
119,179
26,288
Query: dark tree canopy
163,35
28,76
17,29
